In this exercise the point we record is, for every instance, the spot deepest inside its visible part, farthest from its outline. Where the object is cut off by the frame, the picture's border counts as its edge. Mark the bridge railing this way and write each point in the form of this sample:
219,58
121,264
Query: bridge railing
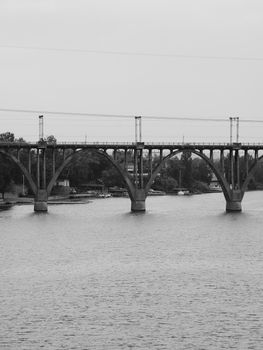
98,143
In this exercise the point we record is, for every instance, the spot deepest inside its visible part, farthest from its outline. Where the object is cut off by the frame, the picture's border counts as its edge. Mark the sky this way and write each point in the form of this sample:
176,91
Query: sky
165,58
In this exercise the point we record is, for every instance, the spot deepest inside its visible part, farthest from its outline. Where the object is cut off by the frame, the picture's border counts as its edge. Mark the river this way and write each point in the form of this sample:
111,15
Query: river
184,275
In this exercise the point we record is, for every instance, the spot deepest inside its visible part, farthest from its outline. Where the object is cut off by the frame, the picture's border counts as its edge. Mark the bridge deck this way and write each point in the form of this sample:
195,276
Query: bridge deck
133,145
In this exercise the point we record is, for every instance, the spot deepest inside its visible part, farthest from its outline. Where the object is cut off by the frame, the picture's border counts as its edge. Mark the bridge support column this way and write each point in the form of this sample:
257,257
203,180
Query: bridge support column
40,204
138,203
234,204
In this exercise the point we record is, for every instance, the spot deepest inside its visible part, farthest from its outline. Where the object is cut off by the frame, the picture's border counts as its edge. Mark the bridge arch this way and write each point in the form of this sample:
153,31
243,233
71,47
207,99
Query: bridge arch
22,168
220,177
124,174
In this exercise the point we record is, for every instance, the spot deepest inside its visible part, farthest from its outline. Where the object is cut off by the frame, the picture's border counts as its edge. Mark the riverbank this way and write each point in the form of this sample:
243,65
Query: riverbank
83,198
51,200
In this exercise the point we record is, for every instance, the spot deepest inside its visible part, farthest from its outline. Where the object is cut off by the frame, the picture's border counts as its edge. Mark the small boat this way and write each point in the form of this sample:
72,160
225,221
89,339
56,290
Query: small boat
180,193
5,205
118,192
104,195
183,193
88,194
156,193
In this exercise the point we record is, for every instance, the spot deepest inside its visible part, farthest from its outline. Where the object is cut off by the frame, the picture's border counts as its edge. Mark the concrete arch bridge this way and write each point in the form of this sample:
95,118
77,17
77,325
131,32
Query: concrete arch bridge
41,175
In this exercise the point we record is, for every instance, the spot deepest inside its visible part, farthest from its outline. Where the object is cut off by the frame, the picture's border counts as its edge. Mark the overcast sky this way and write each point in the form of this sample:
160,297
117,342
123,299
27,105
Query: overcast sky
124,58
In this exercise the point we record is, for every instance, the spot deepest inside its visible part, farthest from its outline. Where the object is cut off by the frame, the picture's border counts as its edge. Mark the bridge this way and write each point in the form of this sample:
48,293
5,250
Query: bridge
43,177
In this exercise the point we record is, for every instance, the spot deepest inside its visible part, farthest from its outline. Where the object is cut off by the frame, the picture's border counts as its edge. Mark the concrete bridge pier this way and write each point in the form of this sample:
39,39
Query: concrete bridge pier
40,204
138,202
234,204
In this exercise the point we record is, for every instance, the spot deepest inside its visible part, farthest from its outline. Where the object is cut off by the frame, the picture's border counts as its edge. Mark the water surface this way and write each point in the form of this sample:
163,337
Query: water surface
184,275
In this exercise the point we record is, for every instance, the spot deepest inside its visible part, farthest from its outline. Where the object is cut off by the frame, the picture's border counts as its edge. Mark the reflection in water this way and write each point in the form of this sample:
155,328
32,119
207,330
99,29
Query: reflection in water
183,276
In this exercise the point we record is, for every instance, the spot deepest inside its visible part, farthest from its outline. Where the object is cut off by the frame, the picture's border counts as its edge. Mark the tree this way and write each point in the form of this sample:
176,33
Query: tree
201,171
186,163
51,140
5,176
87,167
6,167
111,177
7,137
166,184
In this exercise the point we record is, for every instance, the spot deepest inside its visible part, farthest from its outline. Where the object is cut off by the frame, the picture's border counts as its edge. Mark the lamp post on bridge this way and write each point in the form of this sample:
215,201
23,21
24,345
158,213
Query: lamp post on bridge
41,127
231,128
236,120
237,127
138,129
